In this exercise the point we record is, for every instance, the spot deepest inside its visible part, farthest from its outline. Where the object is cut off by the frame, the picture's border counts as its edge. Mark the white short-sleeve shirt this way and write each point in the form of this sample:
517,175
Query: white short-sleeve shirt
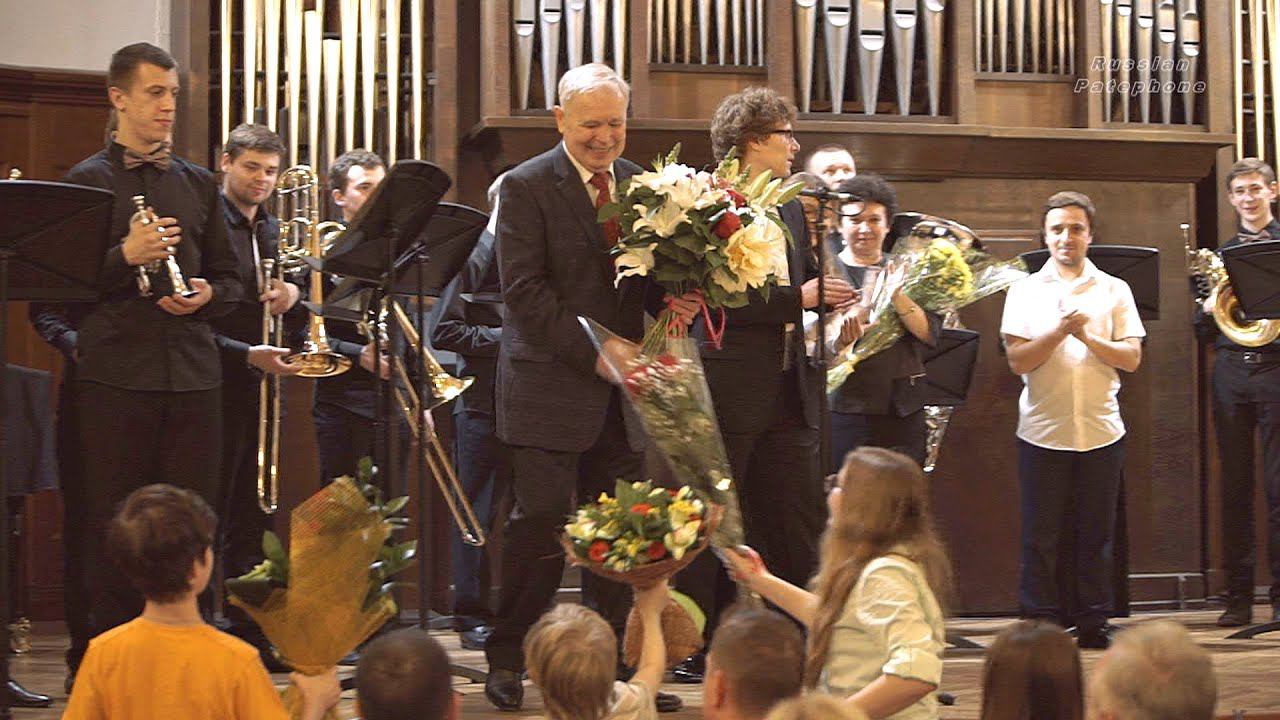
1069,402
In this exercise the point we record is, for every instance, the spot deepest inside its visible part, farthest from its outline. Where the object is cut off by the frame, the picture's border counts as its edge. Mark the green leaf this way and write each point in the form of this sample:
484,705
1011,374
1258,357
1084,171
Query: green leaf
273,549
789,193
395,505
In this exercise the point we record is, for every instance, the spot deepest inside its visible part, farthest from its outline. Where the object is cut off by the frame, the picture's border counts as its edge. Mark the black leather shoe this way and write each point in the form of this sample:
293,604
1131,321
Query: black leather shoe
690,670
1237,614
667,702
1096,638
21,697
504,690
474,639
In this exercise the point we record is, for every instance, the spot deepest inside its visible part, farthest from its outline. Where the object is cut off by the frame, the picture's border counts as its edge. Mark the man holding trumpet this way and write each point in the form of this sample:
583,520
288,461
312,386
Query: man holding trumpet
250,164
148,397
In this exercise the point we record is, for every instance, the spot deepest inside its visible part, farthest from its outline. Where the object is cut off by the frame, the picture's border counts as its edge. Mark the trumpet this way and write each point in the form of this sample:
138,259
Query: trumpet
169,265
444,387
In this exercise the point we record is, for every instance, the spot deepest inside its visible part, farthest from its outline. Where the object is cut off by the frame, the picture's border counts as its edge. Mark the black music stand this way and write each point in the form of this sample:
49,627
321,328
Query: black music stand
1254,270
949,367
52,243
1138,266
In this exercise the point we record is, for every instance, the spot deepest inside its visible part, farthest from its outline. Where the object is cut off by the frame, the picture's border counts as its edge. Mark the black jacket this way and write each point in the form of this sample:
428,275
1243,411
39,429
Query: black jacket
241,328
126,341
469,323
891,381
745,374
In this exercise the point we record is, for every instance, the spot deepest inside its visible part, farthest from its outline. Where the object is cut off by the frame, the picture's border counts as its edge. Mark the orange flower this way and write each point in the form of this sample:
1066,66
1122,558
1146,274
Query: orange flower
641,508
599,549
656,550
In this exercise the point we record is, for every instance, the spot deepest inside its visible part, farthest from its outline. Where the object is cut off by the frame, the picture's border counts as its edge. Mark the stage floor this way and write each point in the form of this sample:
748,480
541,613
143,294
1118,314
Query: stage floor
1248,670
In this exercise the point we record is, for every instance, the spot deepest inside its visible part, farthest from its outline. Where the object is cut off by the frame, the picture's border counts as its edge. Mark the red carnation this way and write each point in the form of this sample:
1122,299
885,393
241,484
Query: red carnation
598,550
728,224
668,359
641,508
739,200
656,550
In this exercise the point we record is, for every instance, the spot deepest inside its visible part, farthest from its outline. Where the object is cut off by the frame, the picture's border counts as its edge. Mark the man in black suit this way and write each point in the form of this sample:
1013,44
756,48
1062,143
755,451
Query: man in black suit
764,390
560,416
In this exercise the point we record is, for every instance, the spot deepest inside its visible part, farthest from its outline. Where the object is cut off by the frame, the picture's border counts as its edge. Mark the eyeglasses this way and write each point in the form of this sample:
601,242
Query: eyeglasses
1250,191
787,133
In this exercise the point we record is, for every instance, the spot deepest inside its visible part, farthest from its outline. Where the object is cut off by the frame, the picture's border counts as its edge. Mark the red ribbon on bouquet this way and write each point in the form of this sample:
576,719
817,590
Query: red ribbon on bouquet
715,331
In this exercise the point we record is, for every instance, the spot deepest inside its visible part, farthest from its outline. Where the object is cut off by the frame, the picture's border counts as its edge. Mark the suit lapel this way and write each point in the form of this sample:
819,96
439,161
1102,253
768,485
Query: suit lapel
575,195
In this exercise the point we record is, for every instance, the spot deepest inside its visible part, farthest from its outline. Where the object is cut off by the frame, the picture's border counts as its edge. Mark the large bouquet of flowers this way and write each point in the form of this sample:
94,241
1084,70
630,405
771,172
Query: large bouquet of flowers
332,589
940,273
718,234
640,535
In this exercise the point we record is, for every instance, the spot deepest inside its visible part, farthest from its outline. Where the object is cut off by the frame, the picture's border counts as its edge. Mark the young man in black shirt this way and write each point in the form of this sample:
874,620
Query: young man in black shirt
147,397
251,159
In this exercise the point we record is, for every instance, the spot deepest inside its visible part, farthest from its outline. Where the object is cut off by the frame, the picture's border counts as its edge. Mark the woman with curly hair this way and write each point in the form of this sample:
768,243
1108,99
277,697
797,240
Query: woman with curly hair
875,625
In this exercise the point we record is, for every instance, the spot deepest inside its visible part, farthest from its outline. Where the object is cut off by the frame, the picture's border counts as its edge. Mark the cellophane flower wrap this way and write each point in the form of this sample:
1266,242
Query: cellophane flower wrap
332,590
641,535
718,234
936,273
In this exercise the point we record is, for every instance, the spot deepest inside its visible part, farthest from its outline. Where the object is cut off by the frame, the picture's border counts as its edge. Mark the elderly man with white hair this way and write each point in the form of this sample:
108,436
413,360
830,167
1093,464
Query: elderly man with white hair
1153,671
557,408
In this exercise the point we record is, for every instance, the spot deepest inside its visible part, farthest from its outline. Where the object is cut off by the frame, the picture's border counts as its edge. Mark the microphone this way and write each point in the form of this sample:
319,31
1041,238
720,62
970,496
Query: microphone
824,193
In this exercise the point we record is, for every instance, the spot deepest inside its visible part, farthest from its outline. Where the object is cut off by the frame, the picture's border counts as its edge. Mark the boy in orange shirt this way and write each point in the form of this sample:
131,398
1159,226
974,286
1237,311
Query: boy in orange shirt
168,663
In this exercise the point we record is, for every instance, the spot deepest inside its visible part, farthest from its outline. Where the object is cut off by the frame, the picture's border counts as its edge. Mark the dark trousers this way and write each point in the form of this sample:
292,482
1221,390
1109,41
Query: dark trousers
241,521
75,591
483,471
1069,504
547,485
130,439
1247,399
344,437
905,434
783,508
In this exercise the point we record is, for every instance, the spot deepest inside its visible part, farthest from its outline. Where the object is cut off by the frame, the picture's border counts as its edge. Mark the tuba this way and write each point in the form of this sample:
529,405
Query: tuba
444,388
1210,275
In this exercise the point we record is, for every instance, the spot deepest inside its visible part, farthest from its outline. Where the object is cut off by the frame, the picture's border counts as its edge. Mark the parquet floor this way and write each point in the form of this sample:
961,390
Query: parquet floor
1248,671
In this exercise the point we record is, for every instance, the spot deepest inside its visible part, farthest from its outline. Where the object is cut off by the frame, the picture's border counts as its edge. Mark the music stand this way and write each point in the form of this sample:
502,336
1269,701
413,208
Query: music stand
949,367
1137,266
1254,269
52,243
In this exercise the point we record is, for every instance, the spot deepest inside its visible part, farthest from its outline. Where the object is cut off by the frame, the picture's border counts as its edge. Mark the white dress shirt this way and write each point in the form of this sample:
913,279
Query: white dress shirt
1069,402
586,176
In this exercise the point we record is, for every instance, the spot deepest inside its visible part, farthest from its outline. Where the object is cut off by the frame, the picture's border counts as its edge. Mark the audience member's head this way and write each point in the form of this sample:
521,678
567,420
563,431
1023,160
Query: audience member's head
880,502
1033,670
1154,671
754,662
833,163
404,675
162,539
816,706
572,656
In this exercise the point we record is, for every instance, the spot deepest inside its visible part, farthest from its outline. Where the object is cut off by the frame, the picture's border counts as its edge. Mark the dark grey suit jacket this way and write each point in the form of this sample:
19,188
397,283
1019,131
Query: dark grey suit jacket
745,375
555,266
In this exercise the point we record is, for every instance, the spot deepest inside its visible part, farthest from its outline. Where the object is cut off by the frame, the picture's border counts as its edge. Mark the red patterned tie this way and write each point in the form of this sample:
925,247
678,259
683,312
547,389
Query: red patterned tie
612,228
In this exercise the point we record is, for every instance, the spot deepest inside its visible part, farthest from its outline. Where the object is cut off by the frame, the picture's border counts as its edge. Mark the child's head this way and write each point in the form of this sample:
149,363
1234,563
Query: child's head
816,706
754,662
1033,669
572,656
404,674
162,539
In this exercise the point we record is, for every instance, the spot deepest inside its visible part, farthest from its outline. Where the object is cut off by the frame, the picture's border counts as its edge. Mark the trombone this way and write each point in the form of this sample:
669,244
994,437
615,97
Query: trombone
444,388
301,242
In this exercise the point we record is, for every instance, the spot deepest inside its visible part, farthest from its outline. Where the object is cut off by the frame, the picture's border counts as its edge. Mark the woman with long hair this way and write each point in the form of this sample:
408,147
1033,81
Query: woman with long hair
1033,671
875,625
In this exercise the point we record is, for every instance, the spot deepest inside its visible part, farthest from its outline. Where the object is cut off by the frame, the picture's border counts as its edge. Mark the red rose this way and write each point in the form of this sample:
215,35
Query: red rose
668,359
634,386
641,508
728,224
656,550
598,550
673,493
739,200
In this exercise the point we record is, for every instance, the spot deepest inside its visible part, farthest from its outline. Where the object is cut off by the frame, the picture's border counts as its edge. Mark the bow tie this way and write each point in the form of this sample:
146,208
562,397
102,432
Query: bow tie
161,157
